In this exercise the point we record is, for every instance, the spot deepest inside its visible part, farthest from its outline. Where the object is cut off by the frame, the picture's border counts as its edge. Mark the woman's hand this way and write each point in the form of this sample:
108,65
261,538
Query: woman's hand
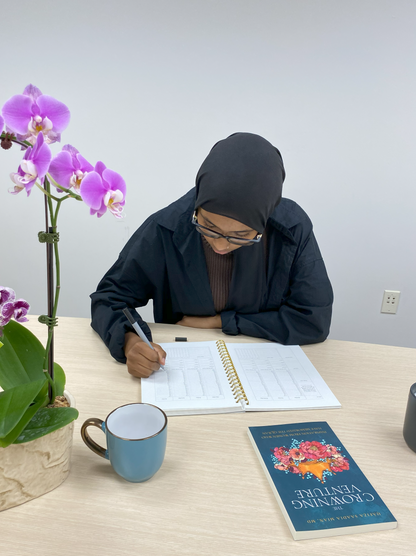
141,359
201,322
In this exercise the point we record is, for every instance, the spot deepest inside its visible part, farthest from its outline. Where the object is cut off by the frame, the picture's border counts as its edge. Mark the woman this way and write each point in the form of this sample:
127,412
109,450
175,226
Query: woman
230,254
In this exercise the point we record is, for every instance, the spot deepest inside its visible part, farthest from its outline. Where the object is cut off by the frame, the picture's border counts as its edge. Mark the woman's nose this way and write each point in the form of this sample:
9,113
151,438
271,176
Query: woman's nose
221,244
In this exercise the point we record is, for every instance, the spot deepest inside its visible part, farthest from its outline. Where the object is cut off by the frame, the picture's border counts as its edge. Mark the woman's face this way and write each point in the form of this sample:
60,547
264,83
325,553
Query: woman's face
225,226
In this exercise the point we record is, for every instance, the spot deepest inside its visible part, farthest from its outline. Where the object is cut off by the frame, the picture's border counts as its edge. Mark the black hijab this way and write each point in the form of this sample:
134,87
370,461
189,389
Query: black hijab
241,178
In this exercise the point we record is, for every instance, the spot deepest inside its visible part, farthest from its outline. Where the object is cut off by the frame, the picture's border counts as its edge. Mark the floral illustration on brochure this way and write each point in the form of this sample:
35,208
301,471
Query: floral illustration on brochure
310,459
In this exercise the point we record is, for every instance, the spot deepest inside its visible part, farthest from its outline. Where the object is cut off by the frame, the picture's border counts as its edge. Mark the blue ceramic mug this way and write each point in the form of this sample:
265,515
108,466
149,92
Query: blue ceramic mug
136,440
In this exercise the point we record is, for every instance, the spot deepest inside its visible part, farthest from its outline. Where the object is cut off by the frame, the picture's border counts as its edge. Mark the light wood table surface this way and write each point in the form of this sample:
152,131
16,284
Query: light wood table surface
210,496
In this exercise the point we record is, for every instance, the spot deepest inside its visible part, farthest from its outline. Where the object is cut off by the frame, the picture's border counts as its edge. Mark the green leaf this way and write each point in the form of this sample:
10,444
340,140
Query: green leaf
59,379
47,420
27,416
21,357
25,386
15,402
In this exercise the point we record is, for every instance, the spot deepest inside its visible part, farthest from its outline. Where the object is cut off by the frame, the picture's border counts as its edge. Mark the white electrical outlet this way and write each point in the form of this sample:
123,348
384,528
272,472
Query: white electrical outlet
390,302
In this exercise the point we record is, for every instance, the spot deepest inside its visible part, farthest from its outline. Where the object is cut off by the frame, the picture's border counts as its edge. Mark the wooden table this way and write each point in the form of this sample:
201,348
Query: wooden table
211,497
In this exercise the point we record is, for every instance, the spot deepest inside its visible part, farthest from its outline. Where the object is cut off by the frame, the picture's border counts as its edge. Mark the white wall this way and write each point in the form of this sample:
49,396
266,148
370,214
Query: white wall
152,85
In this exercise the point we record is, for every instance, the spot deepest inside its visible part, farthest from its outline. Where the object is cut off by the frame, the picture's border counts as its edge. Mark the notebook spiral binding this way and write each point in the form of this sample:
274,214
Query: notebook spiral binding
232,375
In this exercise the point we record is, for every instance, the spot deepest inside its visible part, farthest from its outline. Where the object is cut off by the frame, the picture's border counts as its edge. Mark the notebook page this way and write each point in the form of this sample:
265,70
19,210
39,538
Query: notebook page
279,377
193,381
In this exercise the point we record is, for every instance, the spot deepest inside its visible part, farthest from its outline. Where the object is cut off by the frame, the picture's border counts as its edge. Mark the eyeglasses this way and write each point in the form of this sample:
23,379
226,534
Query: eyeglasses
215,235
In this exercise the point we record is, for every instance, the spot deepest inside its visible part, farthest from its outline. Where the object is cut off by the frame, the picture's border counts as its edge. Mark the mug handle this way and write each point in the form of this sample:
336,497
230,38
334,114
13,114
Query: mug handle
96,448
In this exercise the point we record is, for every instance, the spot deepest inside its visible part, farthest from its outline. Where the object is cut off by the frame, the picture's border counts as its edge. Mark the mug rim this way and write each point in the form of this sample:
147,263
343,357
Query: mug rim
136,439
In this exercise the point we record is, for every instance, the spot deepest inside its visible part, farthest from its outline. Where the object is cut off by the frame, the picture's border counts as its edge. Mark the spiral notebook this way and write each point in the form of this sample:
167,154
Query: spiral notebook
215,377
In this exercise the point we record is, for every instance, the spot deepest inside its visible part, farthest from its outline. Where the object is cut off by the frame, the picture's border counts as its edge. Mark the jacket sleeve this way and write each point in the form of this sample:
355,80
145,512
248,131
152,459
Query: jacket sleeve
304,316
127,283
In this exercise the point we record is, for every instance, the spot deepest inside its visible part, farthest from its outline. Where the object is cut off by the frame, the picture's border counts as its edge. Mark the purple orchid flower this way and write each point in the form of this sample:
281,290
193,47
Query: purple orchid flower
20,310
103,189
6,294
68,168
32,112
6,313
10,308
1,123
34,165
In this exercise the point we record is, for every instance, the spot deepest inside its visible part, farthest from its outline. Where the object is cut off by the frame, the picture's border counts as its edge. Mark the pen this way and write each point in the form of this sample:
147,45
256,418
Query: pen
138,330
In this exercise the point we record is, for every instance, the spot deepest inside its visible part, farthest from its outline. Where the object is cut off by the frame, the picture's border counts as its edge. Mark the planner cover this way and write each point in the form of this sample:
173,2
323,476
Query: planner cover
318,486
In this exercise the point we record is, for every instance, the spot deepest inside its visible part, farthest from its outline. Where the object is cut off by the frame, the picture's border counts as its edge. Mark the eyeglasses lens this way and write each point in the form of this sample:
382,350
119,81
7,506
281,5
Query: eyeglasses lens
213,235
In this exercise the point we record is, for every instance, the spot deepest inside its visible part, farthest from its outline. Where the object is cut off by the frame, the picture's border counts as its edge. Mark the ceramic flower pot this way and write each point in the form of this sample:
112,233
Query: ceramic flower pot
34,468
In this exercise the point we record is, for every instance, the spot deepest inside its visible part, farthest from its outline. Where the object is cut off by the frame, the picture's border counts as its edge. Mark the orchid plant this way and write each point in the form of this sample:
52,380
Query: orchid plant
29,377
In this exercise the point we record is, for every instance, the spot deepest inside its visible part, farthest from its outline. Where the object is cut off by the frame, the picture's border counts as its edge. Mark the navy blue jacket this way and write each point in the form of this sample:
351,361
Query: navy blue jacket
164,261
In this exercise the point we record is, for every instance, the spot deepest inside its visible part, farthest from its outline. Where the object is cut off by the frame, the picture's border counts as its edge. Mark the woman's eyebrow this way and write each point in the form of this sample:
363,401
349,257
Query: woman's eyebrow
209,221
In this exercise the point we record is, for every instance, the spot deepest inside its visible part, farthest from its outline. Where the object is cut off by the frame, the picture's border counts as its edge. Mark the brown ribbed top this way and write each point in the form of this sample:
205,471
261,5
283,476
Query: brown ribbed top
220,270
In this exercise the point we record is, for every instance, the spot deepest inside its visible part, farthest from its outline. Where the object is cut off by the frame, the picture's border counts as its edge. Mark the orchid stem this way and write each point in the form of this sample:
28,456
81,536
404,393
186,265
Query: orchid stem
52,387
45,192
51,226
70,193
25,144
53,216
